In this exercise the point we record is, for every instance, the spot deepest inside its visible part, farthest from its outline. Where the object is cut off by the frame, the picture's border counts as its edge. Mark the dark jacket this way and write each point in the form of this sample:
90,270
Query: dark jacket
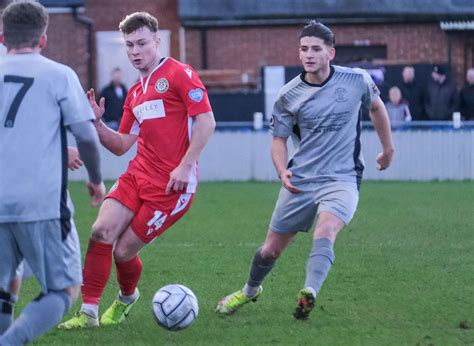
467,102
413,93
113,103
441,100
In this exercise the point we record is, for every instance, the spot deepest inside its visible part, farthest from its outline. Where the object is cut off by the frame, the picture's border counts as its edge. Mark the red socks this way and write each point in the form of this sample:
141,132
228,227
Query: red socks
96,271
97,268
128,274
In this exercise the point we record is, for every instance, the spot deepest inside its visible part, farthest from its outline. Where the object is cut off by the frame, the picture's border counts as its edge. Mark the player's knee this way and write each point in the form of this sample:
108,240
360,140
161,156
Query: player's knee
122,254
269,254
101,232
327,230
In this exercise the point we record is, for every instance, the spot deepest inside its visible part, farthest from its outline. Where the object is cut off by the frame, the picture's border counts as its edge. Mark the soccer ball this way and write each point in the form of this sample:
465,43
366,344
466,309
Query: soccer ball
175,307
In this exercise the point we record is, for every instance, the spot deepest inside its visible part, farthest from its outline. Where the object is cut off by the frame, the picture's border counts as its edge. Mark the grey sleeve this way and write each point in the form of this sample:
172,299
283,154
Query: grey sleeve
282,120
88,145
371,90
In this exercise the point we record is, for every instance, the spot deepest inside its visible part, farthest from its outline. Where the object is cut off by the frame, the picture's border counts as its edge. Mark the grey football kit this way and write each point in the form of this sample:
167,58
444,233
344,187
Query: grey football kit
39,98
324,123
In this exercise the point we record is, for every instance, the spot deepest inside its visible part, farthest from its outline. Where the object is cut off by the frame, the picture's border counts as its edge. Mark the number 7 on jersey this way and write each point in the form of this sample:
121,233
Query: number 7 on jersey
26,84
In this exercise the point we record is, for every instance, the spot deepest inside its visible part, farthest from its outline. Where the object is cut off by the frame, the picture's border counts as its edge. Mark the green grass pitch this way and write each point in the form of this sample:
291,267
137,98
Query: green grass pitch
404,271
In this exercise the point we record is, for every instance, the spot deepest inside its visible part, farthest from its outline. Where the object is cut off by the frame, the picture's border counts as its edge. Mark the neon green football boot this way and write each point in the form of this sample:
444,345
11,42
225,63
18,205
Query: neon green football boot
305,304
231,303
117,312
79,321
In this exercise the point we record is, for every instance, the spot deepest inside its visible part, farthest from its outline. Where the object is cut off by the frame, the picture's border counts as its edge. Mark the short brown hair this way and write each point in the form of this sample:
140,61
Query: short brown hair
24,23
137,20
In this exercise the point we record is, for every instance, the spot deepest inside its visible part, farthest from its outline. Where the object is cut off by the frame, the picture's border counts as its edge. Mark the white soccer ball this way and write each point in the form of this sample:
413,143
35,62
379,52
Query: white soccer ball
175,307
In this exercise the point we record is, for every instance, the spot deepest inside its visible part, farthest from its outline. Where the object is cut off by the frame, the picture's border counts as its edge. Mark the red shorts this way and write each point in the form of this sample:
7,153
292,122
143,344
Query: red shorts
155,211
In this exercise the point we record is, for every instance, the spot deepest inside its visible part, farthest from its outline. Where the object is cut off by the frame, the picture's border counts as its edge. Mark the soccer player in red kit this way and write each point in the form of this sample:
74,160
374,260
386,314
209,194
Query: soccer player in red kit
169,113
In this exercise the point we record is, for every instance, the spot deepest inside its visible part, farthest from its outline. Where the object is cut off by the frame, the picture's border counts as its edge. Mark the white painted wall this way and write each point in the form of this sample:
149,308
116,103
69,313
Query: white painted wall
245,155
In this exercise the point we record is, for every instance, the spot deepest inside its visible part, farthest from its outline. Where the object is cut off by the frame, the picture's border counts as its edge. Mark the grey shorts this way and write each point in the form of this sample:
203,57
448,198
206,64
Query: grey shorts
55,262
296,212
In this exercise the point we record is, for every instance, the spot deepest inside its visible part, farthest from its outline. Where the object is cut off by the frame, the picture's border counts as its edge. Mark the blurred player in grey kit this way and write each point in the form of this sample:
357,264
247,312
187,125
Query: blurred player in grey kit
39,98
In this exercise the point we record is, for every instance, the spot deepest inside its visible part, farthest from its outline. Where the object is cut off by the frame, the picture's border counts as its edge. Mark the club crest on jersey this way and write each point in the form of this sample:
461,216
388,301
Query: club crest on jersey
162,85
189,72
341,95
196,94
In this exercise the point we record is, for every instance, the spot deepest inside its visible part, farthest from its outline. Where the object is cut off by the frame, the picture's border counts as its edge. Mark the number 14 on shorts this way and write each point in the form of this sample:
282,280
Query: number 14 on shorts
156,222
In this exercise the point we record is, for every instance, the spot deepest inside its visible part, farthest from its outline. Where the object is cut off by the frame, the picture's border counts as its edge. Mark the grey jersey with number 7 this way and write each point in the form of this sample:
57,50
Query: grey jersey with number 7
324,121
38,98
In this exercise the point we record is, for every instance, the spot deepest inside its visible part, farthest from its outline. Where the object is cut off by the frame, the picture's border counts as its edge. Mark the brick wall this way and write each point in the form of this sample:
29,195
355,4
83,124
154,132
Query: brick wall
252,47
67,39
108,14
67,44
244,48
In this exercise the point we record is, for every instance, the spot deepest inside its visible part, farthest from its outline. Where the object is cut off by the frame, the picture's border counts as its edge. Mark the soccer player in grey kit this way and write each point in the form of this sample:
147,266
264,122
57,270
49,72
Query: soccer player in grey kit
321,109
39,99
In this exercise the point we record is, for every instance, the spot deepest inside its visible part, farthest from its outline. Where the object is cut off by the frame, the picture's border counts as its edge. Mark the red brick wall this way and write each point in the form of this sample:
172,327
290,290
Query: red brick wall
244,48
252,47
108,14
405,42
67,39
67,44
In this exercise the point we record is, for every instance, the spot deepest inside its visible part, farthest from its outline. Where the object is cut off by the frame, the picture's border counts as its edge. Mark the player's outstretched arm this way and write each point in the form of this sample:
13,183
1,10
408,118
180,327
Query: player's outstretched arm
381,122
203,128
115,142
280,157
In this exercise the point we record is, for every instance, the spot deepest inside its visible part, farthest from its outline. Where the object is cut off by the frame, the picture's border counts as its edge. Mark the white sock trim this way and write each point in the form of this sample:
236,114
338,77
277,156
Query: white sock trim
91,310
250,291
313,291
129,299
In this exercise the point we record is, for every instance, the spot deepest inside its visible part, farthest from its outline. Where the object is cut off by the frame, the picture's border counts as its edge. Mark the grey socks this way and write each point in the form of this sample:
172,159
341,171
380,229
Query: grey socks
7,302
319,263
37,318
258,271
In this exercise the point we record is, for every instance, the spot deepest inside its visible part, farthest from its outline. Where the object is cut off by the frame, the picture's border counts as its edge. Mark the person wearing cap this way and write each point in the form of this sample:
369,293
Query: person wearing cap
441,98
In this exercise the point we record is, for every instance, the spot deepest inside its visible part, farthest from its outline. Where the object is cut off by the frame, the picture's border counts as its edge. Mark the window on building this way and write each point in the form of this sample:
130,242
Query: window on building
346,54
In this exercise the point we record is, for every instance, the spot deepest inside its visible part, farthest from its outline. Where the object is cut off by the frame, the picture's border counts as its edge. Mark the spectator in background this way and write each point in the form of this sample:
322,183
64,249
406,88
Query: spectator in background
397,108
467,96
412,92
114,95
441,98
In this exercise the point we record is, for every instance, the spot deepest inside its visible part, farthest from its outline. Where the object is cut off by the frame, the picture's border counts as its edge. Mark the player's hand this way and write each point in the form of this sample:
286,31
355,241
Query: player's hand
285,178
179,179
97,108
97,192
73,159
383,160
